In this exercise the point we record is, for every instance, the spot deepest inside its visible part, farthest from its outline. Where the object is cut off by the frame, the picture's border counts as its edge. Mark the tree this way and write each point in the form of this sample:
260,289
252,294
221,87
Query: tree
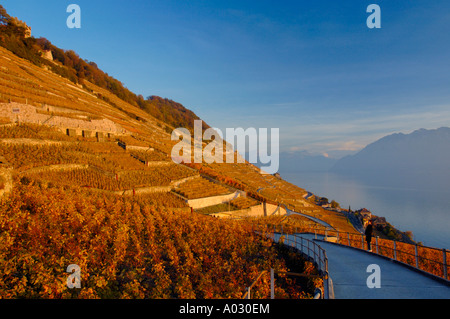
334,204
4,16
409,234
17,27
323,201
11,25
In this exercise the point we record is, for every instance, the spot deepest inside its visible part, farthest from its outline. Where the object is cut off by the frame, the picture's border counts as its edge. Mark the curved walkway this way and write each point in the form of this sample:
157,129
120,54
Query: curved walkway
317,220
348,269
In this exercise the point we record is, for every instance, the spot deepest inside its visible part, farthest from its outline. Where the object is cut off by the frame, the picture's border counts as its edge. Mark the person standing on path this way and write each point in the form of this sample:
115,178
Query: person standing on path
368,233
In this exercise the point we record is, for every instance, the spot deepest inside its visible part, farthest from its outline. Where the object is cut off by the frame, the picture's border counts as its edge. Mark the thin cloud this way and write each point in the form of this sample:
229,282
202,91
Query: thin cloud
339,134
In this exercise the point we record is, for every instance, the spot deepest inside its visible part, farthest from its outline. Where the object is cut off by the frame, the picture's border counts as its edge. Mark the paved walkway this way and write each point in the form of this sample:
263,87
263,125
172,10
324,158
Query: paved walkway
348,269
317,220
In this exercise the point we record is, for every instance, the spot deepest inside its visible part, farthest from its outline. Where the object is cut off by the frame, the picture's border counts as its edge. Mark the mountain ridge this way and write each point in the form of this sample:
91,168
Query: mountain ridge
392,142
419,158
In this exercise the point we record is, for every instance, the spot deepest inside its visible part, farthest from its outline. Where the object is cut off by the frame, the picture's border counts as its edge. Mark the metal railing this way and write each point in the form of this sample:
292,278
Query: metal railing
429,259
433,261
312,251
247,294
318,293
315,253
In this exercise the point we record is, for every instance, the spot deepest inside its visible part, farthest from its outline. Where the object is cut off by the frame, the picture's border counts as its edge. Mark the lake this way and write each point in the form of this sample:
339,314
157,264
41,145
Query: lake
425,212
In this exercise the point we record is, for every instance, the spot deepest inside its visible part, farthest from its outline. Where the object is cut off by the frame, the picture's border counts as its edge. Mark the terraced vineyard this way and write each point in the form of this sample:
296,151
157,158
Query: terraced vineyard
201,187
34,150
162,199
71,200
25,83
33,131
246,173
28,84
150,156
78,178
25,156
144,178
243,202
127,248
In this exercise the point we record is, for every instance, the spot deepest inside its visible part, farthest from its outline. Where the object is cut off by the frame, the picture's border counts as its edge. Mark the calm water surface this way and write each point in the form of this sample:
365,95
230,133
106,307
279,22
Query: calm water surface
425,212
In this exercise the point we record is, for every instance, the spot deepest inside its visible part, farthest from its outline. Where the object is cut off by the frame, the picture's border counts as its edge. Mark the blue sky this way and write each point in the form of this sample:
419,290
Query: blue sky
310,68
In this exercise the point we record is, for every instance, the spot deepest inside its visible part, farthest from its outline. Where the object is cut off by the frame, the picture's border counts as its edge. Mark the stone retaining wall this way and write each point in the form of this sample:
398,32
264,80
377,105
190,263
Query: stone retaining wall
23,113
213,200
254,211
145,190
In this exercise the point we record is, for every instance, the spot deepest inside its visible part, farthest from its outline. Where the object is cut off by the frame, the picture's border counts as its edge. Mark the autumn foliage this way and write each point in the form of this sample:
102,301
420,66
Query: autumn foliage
125,247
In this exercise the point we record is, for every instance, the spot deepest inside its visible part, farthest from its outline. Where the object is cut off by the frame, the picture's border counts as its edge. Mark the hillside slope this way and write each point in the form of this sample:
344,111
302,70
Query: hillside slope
41,96
88,180
15,36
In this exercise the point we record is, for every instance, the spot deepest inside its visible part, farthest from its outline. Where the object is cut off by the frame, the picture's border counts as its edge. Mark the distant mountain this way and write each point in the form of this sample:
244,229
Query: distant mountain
419,158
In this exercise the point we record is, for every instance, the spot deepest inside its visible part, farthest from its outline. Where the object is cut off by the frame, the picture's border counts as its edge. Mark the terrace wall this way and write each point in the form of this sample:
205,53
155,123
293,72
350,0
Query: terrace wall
254,211
138,148
23,113
213,200
145,190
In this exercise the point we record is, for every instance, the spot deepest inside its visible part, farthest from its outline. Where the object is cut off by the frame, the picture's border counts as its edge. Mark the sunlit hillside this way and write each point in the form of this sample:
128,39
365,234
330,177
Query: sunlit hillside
86,178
